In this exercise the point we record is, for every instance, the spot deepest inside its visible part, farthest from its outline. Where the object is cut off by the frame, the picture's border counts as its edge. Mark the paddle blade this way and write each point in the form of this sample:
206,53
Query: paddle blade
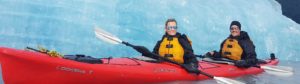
278,70
222,80
284,68
107,37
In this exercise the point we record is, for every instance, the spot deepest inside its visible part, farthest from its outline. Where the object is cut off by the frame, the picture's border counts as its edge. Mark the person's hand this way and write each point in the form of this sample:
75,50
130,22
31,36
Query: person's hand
240,63
191,68
208,54
212,53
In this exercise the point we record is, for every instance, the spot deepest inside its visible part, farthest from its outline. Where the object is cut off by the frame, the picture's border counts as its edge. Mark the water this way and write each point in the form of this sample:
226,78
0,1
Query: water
67,25
263,78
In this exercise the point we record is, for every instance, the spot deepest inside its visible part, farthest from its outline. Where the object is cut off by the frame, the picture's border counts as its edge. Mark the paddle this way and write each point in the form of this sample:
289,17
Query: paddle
103,35
37,50
283,71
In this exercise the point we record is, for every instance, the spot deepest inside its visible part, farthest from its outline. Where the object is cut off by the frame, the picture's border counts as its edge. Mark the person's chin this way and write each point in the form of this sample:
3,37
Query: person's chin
171,33
234,35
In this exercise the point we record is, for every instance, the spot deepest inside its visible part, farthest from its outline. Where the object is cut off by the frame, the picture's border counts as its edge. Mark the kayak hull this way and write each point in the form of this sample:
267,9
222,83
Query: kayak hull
20,66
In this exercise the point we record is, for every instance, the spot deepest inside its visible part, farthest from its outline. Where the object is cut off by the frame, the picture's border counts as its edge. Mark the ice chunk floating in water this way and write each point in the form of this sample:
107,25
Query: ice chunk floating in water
67,25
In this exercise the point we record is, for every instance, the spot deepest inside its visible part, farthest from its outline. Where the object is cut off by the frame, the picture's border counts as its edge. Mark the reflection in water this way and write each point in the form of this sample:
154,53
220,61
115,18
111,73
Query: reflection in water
263,78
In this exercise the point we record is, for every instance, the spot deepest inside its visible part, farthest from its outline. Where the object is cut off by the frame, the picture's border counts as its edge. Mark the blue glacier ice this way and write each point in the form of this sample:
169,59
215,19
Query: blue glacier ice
68,25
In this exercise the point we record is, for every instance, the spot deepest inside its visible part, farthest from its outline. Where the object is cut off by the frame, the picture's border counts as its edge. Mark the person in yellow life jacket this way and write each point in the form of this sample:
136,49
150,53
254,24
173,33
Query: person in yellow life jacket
238,47
173,46
176,47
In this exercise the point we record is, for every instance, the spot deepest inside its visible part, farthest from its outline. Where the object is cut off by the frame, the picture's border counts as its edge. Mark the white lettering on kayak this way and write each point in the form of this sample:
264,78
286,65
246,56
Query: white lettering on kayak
75,70
163,70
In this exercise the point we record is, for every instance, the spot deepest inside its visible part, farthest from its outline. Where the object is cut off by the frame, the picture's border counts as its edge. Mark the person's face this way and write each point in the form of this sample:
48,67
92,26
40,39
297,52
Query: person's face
235,31
171,28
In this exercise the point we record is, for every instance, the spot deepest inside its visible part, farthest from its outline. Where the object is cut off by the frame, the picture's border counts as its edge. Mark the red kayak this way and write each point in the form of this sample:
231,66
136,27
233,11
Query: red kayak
20,66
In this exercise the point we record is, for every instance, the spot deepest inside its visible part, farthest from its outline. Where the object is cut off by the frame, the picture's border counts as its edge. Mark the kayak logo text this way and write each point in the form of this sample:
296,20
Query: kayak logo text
164,70
75,70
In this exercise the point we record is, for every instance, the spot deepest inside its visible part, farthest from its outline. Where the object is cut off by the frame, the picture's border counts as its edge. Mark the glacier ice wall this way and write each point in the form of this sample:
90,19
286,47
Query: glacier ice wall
67,25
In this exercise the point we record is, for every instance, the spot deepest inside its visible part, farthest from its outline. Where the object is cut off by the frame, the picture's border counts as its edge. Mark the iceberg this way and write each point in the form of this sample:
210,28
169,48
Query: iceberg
68,25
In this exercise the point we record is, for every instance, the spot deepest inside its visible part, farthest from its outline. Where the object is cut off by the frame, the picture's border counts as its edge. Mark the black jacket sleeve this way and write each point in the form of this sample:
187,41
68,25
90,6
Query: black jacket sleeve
156,47
249,54
189,57
219,54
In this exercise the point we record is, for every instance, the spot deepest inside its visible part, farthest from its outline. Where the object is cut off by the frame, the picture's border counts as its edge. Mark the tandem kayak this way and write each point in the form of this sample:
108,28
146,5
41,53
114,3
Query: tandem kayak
20,66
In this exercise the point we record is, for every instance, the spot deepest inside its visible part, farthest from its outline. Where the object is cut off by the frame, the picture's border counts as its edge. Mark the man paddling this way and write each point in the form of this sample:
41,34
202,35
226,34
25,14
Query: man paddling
238,46
174,46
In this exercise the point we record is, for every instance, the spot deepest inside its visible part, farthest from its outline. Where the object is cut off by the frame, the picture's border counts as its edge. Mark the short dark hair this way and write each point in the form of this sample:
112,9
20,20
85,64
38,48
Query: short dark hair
170,20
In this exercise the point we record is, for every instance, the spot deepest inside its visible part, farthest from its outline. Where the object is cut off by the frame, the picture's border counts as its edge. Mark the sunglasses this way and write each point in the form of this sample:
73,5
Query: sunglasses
234,28
171,27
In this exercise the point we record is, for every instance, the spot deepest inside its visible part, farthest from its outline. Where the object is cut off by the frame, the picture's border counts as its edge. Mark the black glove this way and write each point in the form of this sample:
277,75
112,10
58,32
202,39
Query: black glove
142,50
240,63
208,55
191,68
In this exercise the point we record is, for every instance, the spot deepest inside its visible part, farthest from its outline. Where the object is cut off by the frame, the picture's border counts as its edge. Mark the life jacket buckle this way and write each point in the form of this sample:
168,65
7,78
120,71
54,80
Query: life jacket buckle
168,55
169,46
227,53
229,46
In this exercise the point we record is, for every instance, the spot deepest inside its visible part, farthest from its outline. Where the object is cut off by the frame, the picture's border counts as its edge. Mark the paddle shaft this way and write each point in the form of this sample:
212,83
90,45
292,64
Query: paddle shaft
230,62
36,50
127,44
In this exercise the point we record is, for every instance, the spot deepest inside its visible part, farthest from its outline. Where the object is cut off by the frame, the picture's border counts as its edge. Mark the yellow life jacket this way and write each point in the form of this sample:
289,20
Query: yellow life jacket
171,49
232,50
